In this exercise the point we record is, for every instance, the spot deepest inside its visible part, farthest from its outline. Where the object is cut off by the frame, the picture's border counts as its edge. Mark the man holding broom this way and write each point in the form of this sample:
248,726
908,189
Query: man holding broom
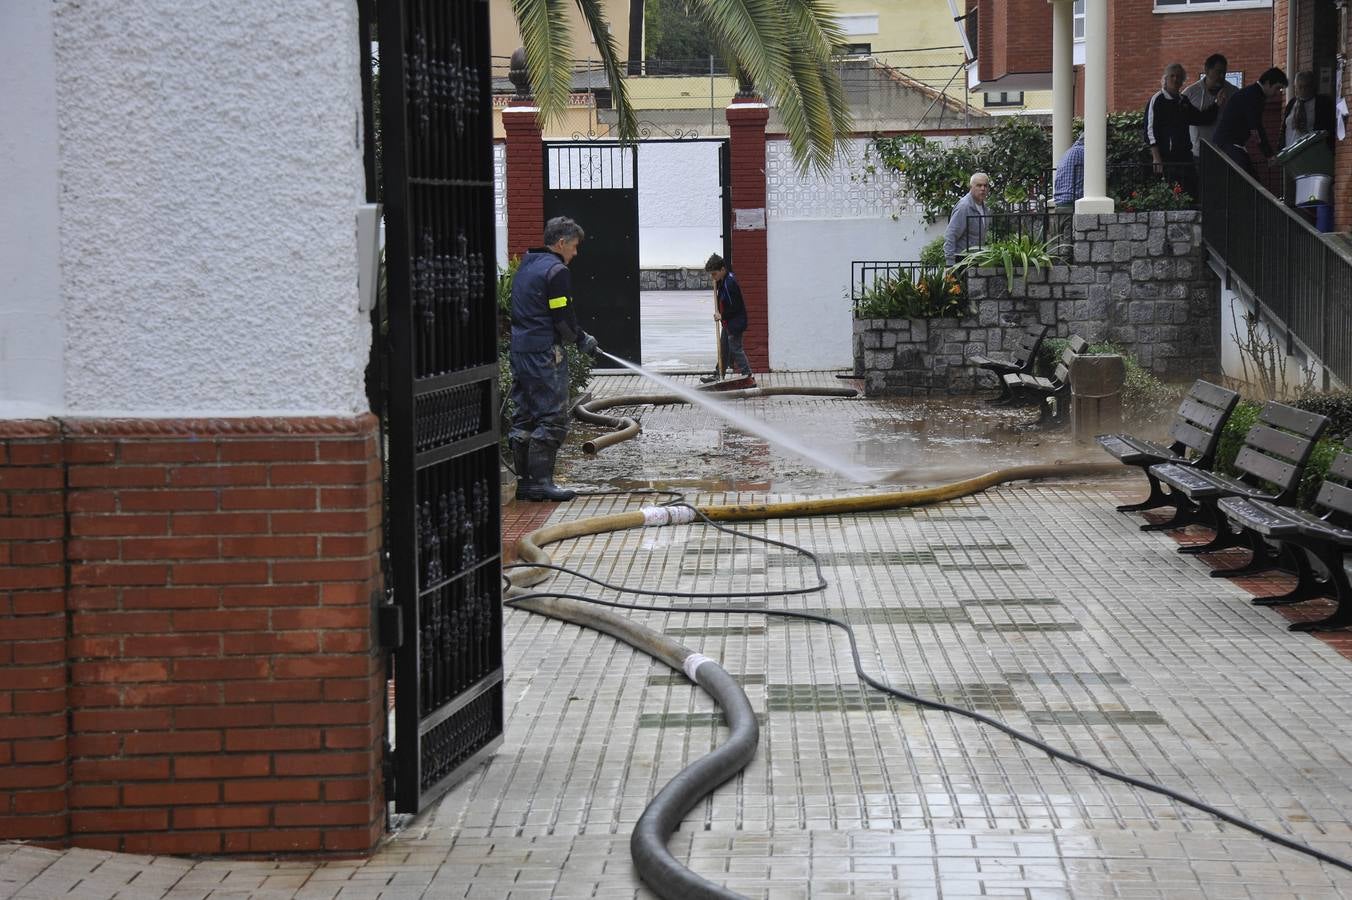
730,311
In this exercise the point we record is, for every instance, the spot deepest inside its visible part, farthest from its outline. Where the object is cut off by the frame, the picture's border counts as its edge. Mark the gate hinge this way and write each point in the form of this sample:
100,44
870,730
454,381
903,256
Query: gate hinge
390,626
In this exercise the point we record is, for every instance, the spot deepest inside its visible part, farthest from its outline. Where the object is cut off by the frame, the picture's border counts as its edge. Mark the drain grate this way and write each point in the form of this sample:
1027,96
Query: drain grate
686,720
1013,601
1016,627
715,602
1087,679
1099,717
679,680
855,698
892,615
856,558
714,631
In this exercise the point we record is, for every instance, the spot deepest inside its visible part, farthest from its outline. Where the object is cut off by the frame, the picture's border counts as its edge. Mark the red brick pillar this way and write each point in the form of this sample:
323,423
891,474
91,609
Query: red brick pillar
525,179
225,693
746,125
34,773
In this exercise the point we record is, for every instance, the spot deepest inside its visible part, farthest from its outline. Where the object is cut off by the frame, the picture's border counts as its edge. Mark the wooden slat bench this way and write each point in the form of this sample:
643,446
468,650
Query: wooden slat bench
1025,359
1323,537
1042,389
1271,462
1195,433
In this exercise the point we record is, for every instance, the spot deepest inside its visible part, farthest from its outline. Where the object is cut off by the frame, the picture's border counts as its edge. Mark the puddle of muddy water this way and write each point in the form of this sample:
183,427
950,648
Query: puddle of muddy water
920,442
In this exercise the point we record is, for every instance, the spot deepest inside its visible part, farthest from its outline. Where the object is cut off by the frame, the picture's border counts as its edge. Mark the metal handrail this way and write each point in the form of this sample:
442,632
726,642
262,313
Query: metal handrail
1301,279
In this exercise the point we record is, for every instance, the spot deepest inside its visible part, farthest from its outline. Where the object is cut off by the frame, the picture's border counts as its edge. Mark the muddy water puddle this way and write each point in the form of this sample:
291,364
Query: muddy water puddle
900,443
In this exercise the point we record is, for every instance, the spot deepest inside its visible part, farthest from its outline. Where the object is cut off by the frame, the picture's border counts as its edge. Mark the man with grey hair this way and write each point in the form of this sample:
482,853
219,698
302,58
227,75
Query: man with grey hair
1168,119
543,321
967,225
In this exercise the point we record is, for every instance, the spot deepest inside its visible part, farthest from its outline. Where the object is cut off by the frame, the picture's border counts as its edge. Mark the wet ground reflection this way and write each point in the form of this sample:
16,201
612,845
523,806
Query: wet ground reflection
915,442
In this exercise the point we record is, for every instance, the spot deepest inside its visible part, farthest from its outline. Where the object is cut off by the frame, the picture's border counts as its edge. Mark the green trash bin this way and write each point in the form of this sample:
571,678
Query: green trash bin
1308,156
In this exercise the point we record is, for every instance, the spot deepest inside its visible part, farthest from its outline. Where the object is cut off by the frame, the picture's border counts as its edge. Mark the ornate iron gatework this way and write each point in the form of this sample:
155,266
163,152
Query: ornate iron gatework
441,396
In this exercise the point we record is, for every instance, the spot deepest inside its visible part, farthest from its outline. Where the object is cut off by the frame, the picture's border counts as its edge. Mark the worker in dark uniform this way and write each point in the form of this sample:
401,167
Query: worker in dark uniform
543,321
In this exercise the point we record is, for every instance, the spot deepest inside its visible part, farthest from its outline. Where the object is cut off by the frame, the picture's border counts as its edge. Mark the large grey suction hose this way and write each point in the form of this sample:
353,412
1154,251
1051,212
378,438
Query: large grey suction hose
648,844
661,871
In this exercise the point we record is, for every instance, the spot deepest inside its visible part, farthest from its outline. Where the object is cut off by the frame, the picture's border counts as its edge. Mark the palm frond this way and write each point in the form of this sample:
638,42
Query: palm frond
814,28
610,60
545,35
753,32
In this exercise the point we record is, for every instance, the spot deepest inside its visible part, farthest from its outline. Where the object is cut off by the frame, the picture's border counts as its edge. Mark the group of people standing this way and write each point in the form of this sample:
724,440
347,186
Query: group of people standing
1178,119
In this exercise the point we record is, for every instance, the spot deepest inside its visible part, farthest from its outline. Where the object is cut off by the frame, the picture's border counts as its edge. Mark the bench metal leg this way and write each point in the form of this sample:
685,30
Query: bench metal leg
1224,538
1263,559
1185,513
1308,586
1332,558
1155,500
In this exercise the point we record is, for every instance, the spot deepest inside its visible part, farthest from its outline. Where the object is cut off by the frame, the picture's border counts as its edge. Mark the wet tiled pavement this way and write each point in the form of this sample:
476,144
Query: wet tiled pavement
1037,604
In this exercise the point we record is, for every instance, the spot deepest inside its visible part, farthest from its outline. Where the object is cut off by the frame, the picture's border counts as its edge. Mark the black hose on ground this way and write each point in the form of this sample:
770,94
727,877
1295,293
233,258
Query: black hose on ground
868,679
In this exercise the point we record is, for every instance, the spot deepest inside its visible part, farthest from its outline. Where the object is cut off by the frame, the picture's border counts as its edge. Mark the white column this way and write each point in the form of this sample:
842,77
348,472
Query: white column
1095,199
1063,75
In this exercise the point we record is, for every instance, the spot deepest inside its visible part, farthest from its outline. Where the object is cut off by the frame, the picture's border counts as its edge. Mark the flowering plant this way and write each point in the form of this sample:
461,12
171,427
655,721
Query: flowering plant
1160,195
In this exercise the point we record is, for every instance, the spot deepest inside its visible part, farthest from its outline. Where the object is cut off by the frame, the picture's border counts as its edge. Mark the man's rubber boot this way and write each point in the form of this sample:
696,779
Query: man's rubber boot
521,463
541,468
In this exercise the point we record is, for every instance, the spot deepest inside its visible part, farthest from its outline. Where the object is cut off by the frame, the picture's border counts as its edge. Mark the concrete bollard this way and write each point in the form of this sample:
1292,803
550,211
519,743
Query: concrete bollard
1096,396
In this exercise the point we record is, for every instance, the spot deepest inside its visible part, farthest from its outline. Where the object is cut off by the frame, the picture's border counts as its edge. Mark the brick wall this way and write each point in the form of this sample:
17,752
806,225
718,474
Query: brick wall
224,692
746,126
525,180
33,723
1142,42
1015,37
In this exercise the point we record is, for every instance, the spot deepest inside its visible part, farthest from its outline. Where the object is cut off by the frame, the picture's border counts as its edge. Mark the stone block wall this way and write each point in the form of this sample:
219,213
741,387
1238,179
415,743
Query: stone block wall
1137,279
675,280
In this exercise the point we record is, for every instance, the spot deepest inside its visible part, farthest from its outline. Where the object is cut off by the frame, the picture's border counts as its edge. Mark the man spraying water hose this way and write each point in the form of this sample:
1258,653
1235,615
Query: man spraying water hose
543,321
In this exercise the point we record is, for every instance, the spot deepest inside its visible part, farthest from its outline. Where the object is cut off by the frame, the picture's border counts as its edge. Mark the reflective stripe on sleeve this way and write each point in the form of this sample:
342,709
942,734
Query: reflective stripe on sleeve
558,302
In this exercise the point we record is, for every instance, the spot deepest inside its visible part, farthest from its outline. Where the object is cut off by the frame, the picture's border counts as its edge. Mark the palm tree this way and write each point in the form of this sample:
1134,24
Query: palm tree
784,46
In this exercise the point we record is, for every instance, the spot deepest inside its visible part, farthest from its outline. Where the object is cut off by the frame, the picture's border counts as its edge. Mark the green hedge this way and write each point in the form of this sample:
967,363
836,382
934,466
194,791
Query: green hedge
1337,406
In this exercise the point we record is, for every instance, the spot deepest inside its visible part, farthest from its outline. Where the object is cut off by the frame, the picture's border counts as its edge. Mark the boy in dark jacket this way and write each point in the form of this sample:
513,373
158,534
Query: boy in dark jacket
730,309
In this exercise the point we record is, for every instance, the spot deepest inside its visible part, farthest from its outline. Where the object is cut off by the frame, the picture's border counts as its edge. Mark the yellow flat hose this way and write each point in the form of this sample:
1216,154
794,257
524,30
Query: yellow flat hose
529,547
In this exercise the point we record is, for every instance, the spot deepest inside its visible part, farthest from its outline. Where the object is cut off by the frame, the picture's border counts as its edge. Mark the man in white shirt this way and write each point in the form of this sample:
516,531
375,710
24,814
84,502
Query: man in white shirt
1210,90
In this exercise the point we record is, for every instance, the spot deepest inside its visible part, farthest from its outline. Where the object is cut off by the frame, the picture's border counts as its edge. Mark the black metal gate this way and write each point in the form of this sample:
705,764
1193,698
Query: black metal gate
440,391
596,183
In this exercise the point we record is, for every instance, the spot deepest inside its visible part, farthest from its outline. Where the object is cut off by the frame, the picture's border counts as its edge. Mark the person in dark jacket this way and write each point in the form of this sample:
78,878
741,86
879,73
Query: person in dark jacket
543,321
1169,117
730,309
1243,115
1307,112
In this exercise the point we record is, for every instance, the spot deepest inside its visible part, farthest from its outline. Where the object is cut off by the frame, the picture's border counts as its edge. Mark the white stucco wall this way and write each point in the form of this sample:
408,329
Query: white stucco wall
816,226
680,207
32,338
1291,370
210,173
